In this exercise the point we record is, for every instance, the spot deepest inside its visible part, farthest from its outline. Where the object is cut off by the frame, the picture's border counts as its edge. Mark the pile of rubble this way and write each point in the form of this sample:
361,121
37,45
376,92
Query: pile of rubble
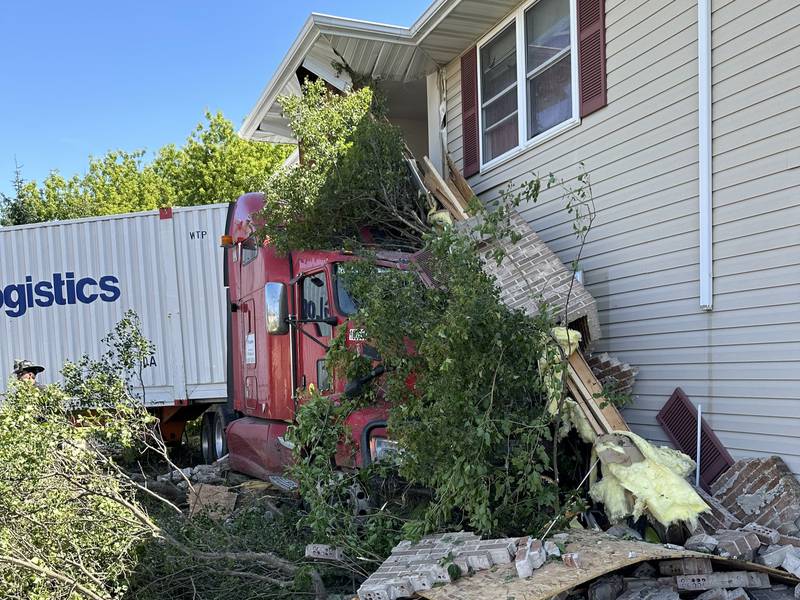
575,565
435,559
754,515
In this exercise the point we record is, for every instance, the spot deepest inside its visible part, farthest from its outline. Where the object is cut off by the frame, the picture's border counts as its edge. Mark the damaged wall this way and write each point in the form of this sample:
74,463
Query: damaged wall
531,273
741,361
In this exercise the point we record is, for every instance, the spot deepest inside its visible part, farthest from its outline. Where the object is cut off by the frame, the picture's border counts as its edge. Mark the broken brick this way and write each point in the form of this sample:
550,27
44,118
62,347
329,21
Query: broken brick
762,491
572,559
701,543
737,544
718,516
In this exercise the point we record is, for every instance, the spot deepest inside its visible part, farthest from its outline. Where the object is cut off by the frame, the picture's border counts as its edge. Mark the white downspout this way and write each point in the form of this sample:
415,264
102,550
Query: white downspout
705,154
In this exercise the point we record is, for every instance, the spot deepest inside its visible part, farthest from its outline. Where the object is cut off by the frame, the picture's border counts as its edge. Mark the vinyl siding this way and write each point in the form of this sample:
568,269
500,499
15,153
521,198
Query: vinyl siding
741,361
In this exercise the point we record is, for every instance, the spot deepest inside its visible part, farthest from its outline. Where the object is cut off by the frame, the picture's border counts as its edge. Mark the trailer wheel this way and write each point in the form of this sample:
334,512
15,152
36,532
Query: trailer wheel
222,417
207,437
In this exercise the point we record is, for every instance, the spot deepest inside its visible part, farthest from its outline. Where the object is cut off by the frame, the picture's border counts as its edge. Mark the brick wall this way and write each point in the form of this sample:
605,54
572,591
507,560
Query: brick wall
532,273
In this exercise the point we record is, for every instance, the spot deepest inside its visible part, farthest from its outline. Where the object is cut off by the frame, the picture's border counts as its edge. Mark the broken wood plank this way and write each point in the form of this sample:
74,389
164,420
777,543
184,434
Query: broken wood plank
588,399
460,183
596,426
610,412
440,189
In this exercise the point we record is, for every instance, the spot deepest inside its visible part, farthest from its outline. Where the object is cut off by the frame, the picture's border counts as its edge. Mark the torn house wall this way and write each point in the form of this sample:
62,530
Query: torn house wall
532,273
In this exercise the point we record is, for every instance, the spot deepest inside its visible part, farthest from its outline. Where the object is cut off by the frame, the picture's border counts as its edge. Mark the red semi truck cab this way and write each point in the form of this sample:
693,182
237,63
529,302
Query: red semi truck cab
284,313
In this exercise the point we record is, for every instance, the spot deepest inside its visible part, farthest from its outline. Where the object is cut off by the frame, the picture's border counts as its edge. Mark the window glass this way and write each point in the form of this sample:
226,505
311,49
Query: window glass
548,66
323,379
345,303
315,301
249,250
499,93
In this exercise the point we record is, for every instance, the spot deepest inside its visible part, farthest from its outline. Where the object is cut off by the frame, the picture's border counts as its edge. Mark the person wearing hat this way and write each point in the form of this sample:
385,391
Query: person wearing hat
26,370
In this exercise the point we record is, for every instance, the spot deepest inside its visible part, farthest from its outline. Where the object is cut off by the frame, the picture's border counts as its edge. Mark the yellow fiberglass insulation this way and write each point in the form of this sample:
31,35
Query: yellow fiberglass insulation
571,414
652,483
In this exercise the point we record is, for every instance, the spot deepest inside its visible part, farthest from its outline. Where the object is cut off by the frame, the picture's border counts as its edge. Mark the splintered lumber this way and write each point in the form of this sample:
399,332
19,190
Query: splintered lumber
596,426
588,400
439,188
587,383
460,182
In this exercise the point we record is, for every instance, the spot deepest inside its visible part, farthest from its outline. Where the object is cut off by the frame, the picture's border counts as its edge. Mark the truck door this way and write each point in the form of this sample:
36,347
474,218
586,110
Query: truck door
315,338
252,334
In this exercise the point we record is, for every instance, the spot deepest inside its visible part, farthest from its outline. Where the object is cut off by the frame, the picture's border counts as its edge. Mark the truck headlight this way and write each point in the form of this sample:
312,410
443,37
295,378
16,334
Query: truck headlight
382,448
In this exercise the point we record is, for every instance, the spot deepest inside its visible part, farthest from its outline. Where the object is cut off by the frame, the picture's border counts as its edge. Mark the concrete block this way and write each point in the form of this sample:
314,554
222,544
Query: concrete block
777,592
473,561
375,592
772,556
423,580
649,593
552,549
737,594
685,566
399,587
791,562
500,551
702,543
324,552
729,579
606,588
715,594
645,571
764,534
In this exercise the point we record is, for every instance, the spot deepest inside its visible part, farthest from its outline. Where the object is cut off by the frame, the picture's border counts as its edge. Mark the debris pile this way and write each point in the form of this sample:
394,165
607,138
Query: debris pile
435,559
596,566
754,515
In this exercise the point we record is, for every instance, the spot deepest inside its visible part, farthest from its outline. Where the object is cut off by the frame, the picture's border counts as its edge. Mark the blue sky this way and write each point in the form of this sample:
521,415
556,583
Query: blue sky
83,77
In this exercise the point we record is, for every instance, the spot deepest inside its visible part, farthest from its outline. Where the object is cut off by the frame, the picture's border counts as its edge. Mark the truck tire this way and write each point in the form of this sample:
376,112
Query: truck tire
207,437
223,416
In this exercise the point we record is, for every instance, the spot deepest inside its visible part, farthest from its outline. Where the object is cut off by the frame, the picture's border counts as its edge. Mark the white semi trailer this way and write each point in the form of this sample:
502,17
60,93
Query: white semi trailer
65,284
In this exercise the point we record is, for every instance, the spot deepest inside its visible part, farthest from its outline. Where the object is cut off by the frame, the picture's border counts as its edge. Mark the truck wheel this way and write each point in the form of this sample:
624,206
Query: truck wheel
207,437
222,417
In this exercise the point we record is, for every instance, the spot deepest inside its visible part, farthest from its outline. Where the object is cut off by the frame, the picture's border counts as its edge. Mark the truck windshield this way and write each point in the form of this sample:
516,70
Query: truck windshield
344,301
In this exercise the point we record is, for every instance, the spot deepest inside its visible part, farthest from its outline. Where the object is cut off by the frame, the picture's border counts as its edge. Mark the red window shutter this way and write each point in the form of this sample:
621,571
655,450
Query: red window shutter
592,55
678,418
469,112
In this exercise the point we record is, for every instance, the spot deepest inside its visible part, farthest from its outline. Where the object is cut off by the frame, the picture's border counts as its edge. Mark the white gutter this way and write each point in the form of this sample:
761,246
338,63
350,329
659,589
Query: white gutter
705,154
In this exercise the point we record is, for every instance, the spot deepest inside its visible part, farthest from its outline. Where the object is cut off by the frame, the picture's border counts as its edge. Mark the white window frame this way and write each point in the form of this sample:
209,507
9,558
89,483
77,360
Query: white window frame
523,144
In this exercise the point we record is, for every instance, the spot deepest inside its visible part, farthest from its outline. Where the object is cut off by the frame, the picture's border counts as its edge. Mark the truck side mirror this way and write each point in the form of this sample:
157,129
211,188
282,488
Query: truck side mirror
277,308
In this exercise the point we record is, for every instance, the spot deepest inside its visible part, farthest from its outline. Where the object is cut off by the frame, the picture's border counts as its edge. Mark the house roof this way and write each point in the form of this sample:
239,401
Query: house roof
385,52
